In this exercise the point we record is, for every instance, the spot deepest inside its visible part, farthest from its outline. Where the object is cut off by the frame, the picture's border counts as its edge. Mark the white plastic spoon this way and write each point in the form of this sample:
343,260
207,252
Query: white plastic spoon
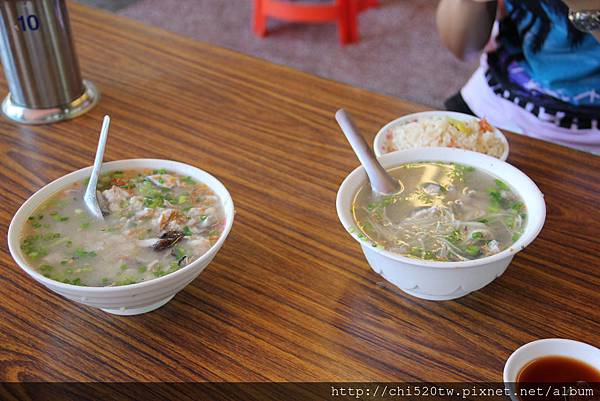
381,181
89,197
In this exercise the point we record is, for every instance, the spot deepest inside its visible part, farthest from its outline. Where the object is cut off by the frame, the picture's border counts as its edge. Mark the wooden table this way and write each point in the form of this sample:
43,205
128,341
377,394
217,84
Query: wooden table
289,297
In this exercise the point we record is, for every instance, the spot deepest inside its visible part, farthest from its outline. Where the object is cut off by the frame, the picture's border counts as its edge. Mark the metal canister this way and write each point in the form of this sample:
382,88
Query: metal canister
40,63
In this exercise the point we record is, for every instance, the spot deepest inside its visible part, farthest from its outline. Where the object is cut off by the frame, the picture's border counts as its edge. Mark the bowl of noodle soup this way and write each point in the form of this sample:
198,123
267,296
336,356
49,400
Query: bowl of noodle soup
443,276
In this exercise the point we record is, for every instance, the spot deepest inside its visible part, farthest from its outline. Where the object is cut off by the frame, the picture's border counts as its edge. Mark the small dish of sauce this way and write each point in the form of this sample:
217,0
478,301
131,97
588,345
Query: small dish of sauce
558,369
559,378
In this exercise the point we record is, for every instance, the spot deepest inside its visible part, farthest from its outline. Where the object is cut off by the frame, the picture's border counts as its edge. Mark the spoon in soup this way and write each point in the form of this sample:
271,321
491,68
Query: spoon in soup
90,199
381,181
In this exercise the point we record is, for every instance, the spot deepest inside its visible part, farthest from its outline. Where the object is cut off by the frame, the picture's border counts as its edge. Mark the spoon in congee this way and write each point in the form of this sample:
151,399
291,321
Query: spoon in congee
90,198
381,181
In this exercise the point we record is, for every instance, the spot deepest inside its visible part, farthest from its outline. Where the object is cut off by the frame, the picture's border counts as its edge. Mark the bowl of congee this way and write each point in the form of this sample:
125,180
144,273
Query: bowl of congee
454,226
164,222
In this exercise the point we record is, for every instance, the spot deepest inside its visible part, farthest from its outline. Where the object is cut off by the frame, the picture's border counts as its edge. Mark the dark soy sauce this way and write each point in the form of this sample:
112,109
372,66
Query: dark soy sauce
569,376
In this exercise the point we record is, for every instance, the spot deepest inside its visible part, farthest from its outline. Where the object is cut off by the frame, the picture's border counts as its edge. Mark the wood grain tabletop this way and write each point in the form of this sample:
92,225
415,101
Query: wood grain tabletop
290,296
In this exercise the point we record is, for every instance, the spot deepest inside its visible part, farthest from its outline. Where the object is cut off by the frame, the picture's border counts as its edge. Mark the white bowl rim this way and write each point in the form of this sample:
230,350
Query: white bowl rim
515,354
516,247
14,231
379,137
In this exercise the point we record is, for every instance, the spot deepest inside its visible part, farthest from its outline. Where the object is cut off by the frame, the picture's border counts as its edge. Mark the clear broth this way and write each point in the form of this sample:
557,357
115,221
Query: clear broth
445,212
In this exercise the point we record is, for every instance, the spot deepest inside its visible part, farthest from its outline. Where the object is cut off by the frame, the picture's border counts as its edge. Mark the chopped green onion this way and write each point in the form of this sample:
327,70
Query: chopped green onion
414,251
51,236
477,235
82,253
500,184
454,237
517,205
126,281
472,250
179,253
58,217
76,281
153,202
188,180
46,268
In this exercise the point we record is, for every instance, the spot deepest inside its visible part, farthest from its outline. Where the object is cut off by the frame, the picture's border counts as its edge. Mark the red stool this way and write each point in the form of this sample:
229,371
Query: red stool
344,12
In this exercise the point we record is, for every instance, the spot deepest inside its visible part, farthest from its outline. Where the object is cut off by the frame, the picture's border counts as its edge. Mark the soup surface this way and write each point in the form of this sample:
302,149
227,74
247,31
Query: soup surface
155,222
445,212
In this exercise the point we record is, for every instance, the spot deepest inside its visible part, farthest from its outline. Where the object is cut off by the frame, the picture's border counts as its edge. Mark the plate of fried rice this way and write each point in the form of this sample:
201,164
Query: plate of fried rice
441,129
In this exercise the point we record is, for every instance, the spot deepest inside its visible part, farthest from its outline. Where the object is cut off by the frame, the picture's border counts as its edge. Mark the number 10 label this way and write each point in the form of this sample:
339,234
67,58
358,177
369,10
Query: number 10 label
29,23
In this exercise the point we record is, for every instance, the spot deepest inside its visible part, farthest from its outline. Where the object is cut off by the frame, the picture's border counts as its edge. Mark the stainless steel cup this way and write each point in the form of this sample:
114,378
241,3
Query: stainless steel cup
40,63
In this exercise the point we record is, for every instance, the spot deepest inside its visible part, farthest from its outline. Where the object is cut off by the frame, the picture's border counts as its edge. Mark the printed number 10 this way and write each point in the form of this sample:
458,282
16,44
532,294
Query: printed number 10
31,23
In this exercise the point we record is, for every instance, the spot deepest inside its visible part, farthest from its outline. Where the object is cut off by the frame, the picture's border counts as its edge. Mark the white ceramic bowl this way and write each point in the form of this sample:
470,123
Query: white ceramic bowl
542,348
379,141
444,280
130,299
